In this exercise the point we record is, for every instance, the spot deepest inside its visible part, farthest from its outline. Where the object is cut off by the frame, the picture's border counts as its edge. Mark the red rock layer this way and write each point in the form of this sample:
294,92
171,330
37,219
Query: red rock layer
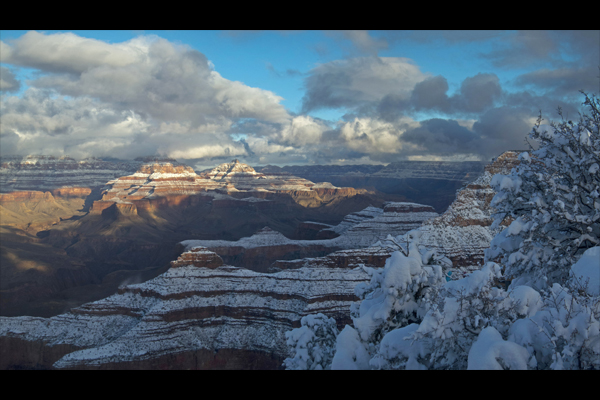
194,316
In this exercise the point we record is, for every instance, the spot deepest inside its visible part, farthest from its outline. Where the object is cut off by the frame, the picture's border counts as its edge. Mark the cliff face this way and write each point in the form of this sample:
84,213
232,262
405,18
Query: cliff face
199,314
235,179
428,182
464,231
34,211
42,173
357,230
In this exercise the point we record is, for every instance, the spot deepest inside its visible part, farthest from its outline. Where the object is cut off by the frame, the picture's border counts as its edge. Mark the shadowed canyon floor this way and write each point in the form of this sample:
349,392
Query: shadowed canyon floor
68,246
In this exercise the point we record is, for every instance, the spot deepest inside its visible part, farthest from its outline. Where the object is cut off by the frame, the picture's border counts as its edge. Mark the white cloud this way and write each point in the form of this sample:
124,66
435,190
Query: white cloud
126,99
67,52
8,81
371,135
208,151
262,146
148,75
303,130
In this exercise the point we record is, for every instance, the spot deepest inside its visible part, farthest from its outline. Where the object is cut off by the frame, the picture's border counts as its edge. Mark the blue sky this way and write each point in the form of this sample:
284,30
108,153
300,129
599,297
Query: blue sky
287,97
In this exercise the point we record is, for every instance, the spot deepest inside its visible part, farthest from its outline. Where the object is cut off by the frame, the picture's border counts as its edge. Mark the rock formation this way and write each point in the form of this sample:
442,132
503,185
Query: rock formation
426,182
135,222
234,179
357,230
43,173
200,314
34,211
205,314
464,231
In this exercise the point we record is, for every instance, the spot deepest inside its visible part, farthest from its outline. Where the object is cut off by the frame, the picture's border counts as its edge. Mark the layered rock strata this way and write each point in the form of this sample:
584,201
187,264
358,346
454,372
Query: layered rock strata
33,211
464,231
428,182
357,230
43,173
197,315
232,181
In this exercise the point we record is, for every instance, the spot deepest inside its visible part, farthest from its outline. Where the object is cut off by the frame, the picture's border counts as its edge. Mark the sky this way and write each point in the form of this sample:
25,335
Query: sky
288,97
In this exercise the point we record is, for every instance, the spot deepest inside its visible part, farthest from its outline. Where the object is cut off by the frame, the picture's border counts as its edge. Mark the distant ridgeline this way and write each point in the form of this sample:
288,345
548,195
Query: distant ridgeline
427,182
43,172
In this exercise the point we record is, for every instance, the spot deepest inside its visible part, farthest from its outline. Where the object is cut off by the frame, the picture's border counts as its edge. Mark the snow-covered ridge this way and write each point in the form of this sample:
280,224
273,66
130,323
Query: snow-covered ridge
357,230
48,172
169,178
190,308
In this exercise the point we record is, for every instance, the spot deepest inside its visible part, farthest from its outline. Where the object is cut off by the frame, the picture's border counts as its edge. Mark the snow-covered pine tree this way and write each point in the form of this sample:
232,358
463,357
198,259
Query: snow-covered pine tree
410,318
398,295
312,344
553,196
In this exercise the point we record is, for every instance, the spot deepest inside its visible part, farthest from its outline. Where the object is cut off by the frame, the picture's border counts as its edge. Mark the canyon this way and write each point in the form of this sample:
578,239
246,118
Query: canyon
200,288
69,245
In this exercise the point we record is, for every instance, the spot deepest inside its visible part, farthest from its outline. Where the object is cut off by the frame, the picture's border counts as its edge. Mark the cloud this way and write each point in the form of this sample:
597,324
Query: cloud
8,81
208,151
139,97
352,82
448,37
147,74
371,136
67,52
361,40
431,94
563,81
47,124
442,137
303,130
478,93
541,47
503,128
151,96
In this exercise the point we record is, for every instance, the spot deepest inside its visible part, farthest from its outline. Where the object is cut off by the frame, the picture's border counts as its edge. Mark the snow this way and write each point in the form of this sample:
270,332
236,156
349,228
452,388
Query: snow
588,269
396,344
491,352
528,301
357,230
350,353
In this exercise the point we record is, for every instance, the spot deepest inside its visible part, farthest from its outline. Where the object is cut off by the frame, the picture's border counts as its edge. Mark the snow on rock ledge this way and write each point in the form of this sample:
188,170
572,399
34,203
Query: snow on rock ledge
186,316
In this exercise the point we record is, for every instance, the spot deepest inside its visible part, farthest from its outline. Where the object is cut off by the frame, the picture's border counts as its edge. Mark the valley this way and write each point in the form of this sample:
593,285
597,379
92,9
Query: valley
243,254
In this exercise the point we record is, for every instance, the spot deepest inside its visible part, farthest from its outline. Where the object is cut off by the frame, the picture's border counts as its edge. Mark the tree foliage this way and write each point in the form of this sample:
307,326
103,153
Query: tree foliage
548,318
553,197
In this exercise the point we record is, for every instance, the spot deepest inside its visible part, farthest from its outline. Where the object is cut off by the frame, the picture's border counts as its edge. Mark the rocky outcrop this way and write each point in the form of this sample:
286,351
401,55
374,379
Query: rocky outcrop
196,315
34,211
427,182
464,231
357,230
230,180
373,257
198,257
364,228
